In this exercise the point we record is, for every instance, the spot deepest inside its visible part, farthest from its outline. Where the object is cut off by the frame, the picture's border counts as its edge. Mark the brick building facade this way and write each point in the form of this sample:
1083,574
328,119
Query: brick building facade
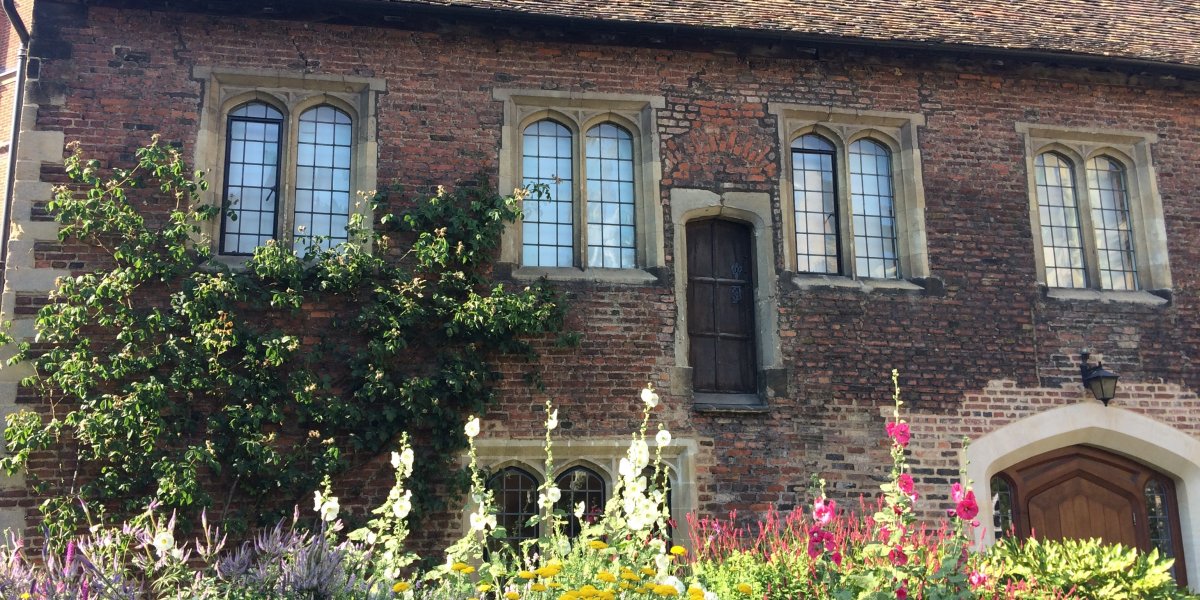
948,258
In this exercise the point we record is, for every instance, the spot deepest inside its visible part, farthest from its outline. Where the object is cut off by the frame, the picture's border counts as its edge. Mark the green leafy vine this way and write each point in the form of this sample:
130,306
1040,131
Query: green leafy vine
168,377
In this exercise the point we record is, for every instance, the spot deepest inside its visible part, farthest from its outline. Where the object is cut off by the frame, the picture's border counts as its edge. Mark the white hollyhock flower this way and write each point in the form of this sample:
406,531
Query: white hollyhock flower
639,454
552,422
403,505
663,438
649,397
406,459
472,428
329,510
626,469
395,460
317,500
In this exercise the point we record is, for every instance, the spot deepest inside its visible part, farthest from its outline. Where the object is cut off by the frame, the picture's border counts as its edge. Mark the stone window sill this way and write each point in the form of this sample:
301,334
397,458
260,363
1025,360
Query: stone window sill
620,276
804,281
1147,298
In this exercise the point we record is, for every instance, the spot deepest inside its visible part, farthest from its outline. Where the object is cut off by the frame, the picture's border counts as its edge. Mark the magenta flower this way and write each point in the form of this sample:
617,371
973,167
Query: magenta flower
956,492
898,557
899,433
905,483
823,511
967,508
977,579
902,593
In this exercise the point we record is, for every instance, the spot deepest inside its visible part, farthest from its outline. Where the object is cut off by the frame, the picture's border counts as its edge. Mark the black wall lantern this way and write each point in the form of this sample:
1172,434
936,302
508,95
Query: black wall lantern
1100,381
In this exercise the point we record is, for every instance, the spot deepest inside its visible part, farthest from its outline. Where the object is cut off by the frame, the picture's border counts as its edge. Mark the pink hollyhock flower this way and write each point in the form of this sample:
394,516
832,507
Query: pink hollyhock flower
836,557
977,579
898,557
956,492
899,432
902,593
967,508
823,511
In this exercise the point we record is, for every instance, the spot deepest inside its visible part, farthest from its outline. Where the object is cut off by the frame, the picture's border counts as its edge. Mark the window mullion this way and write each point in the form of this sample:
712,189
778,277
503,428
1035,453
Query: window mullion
286,198
579,210
1087,233
845,213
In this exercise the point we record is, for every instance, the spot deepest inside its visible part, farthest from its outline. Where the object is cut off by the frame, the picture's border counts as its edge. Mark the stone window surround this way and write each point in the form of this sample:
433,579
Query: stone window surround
600,455
895,130
291,92
579,112
1132,150
754,209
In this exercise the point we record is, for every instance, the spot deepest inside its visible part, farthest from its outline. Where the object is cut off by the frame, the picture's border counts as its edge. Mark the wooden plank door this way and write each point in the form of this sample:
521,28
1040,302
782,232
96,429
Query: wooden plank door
720,300
1082,492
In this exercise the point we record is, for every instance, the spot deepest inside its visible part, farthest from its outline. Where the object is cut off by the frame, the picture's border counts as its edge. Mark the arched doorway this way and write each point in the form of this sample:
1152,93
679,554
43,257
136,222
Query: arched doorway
1082,492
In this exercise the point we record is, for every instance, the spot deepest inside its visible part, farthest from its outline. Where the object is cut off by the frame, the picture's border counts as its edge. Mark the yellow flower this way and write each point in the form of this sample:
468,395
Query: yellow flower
597,545
663,589
401,586
554,584
745,588
625,585
25,596
526,574
695,592
641,589
606,577
631,576
467,570
459,566
607,595
538,587
678,550
511,596
648,571
484,588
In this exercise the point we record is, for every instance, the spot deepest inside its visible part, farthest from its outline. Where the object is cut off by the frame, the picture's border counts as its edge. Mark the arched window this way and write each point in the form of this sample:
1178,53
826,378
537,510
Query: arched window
814,190
873,212
257,167
580,485
1002,506
1108,192
548,235
250,201
845,219
1158,517
1058,210
515,492
610,197
323,148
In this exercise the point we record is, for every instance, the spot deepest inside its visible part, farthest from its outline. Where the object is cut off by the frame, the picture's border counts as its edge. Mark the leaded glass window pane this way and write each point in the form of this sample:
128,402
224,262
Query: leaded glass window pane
872,202
1002,507
515,492
815,195
1110,219
1158,517
548,237
251,194
610,193
1058,210
580,485
323,149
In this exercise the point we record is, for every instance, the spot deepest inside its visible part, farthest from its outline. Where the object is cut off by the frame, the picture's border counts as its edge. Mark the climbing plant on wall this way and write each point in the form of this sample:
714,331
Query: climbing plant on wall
164,376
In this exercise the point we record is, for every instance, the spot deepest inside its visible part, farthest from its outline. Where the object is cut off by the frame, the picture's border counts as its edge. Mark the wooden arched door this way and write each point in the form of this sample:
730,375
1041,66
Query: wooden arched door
1084,492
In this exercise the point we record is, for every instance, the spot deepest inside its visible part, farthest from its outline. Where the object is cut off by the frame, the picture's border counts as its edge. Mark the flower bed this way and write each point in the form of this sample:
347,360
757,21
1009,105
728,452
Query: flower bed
877,550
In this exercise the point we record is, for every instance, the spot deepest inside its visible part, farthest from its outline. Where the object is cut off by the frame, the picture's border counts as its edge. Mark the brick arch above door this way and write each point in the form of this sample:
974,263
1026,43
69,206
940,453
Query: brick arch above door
1116,430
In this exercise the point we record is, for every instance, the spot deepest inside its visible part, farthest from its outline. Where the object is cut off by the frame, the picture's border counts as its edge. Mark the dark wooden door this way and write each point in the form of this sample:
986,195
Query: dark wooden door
1083,492
720,300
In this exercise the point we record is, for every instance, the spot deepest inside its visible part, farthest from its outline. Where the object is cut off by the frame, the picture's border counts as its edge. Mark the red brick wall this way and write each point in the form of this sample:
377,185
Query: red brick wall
119,76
